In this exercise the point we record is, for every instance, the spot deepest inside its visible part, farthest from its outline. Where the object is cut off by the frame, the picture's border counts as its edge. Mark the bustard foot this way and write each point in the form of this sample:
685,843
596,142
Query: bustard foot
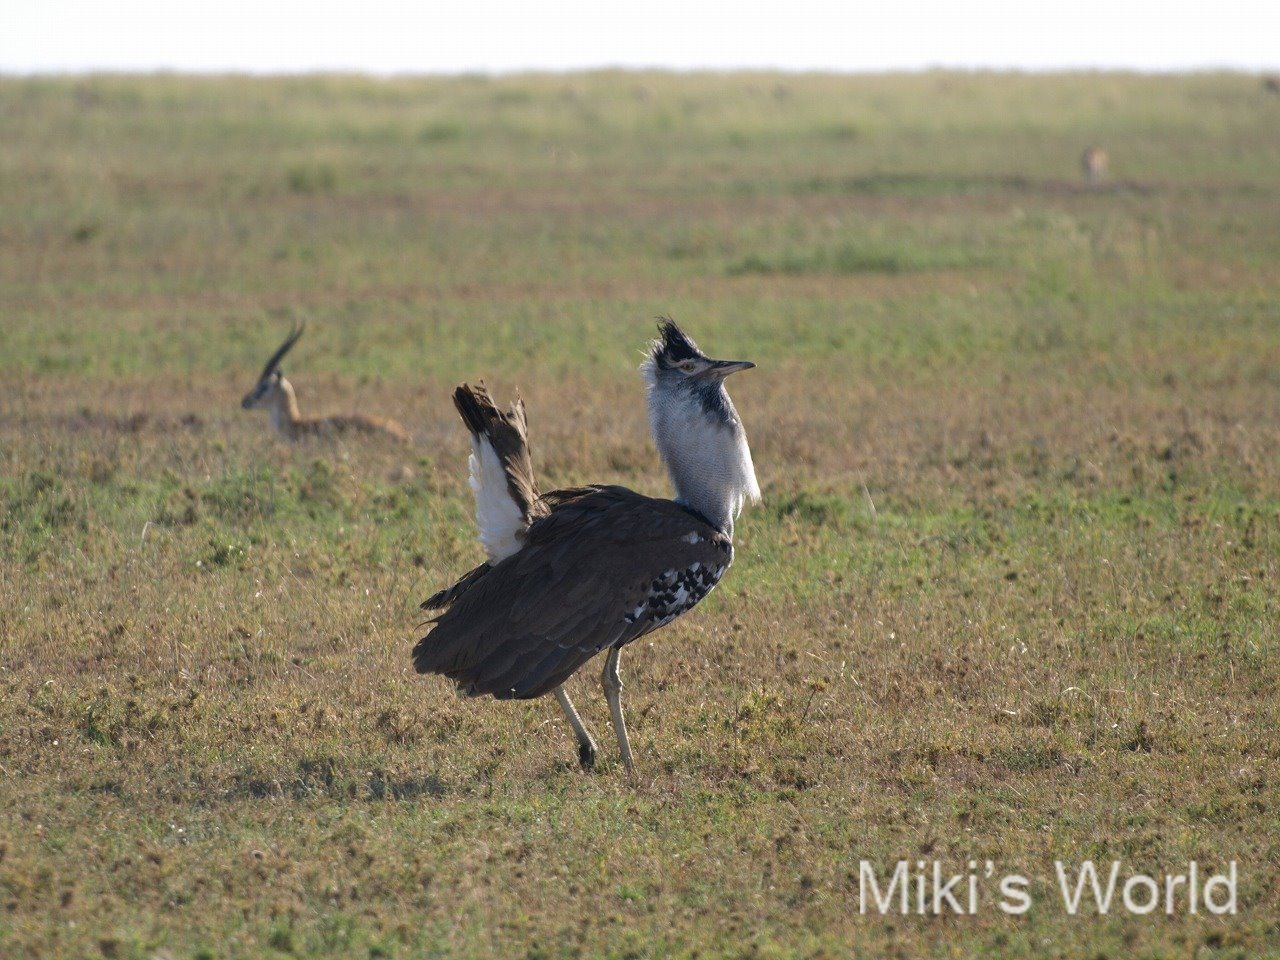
586,746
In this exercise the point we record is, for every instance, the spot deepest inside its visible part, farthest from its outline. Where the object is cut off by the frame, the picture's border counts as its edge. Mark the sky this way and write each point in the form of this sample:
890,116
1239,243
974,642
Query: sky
499,36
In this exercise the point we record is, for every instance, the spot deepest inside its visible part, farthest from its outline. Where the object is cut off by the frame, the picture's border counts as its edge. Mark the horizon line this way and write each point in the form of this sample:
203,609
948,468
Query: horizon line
542,71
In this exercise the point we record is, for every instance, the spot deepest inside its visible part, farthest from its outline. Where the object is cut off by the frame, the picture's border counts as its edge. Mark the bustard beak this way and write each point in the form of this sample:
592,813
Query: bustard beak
722,368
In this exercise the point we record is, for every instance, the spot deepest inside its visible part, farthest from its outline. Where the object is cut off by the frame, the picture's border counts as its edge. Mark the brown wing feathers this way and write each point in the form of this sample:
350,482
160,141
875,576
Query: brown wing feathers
520,627
442,599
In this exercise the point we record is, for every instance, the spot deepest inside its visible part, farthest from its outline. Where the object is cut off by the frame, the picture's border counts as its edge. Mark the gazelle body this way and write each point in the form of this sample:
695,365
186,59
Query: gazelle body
1093,164
276,395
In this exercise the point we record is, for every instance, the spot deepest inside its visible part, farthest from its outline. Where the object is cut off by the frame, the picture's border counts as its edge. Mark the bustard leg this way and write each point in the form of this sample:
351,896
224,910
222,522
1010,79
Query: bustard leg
586,746
613,693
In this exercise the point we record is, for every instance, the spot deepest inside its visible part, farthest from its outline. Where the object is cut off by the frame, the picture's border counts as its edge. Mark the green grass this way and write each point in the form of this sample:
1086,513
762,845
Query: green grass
1011,593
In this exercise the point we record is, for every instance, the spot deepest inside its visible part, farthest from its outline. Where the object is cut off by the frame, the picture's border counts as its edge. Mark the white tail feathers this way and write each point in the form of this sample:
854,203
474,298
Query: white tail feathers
499,517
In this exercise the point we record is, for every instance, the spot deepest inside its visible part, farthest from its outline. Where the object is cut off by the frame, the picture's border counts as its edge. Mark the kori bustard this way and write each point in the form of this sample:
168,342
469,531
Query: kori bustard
274,393
582,571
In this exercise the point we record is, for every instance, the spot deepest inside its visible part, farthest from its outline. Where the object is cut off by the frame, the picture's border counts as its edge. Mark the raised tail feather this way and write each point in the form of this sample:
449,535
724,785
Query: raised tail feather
506,496
501,470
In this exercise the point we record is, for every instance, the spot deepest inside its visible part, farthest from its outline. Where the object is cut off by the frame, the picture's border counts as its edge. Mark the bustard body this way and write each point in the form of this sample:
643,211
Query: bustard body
588,570
276,395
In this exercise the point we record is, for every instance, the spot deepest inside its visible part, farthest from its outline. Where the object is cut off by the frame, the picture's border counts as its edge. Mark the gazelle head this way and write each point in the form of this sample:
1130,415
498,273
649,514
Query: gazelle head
269,386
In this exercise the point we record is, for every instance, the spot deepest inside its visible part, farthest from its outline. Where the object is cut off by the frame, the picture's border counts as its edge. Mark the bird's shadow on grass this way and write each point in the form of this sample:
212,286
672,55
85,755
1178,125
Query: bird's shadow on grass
314,778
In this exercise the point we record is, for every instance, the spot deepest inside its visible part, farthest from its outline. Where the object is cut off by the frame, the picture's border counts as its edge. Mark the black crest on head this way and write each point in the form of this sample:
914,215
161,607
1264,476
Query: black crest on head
673,345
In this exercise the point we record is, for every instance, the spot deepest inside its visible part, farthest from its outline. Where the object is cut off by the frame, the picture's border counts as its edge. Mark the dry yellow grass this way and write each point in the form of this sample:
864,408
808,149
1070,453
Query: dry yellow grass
1011,594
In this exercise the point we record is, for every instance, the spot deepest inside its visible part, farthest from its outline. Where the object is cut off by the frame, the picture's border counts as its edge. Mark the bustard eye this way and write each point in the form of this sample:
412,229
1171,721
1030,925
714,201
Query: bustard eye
688,366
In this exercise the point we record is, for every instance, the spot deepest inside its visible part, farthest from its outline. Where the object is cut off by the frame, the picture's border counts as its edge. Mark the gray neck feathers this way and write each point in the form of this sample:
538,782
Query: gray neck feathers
700,439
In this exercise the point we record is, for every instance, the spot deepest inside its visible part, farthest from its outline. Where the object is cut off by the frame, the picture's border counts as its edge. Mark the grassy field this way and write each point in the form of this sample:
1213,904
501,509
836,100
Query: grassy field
1012,593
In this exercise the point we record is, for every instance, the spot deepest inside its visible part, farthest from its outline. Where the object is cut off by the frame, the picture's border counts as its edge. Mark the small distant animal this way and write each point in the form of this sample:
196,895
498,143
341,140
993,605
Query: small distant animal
1271,84
275,394
580,572
1093,163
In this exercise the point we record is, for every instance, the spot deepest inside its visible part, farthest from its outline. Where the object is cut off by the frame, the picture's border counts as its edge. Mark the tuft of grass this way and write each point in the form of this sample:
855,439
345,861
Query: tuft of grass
311,178
440,131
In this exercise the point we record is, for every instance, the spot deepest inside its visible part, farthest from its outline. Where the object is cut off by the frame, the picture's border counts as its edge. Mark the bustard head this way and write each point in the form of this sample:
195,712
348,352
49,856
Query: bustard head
696,428
270,384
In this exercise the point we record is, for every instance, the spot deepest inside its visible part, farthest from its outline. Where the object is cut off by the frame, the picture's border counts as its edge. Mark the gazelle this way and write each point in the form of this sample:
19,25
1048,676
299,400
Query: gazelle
275,394
1093,163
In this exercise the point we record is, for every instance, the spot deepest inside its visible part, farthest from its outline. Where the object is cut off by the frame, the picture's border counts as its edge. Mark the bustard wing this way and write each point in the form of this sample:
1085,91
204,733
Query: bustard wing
501,470
605,566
